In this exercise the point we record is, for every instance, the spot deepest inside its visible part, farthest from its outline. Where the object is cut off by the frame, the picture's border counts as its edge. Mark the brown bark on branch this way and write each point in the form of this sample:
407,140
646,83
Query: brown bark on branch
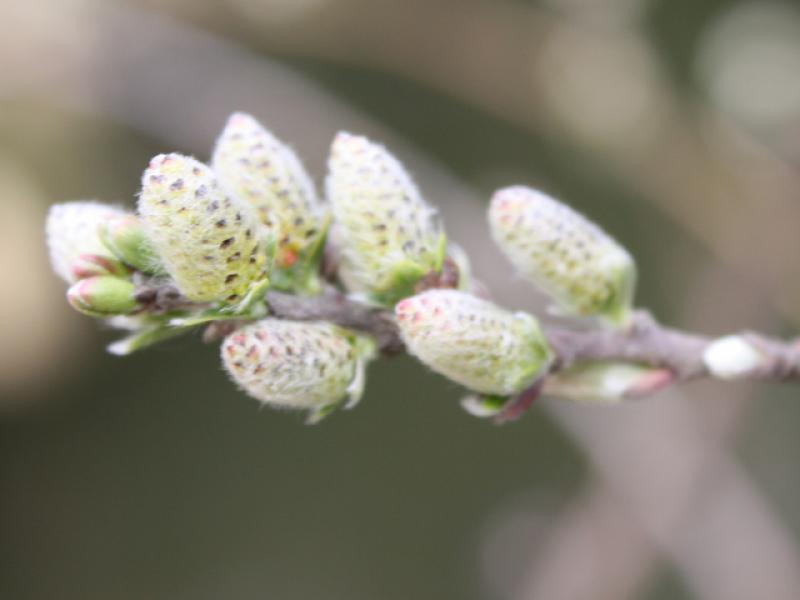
337,308
645,341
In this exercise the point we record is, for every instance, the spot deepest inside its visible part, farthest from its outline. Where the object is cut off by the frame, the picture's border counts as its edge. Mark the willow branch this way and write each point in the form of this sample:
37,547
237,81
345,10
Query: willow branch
337,308
644,342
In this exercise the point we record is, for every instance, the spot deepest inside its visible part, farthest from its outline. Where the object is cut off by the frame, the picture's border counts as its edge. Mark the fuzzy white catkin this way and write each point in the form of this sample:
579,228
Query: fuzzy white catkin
291,364
472,341
208,239
584,269
72,231
387,233
265,172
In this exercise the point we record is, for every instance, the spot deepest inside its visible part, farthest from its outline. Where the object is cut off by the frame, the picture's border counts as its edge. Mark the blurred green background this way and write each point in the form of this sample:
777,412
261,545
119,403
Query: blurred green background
673,123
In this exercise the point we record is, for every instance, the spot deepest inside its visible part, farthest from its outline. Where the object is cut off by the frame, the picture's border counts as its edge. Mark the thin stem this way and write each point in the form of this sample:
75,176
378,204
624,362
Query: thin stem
645,341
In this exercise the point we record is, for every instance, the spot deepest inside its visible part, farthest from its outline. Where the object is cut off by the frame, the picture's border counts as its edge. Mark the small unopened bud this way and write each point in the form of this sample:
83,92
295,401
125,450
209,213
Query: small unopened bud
265,172
72,235
585,270
103,296
297,365
732,357
209,241
125,237
90,265
474,342
388,236
484,406
607,382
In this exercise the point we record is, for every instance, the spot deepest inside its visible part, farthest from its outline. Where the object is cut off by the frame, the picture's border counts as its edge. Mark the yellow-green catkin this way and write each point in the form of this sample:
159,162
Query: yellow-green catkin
388,236
581,267
266,173
209,241
474,342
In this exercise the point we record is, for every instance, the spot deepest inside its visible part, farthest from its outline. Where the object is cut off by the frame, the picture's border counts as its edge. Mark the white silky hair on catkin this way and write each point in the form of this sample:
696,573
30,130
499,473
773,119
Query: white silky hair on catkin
473,341
300,365
379,212
562,252
72,230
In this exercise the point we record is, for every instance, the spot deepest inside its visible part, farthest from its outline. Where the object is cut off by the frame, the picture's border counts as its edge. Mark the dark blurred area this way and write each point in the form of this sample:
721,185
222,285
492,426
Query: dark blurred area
673,123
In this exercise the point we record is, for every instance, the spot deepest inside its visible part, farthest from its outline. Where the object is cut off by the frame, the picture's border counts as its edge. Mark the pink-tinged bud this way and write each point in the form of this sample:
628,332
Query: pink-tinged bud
584,269
72,233
103,296
387,234
91,265
607,382
312,366
267,174
209,240
474,342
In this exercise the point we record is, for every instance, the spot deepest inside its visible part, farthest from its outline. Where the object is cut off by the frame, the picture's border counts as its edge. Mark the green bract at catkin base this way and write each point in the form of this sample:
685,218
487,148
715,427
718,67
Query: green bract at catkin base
474,342
125,238
585,270
267,174
210,242
387,235
314,366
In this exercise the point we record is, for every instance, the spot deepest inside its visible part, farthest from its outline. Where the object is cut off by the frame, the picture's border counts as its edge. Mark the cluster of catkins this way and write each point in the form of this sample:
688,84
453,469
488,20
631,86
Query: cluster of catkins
208,241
